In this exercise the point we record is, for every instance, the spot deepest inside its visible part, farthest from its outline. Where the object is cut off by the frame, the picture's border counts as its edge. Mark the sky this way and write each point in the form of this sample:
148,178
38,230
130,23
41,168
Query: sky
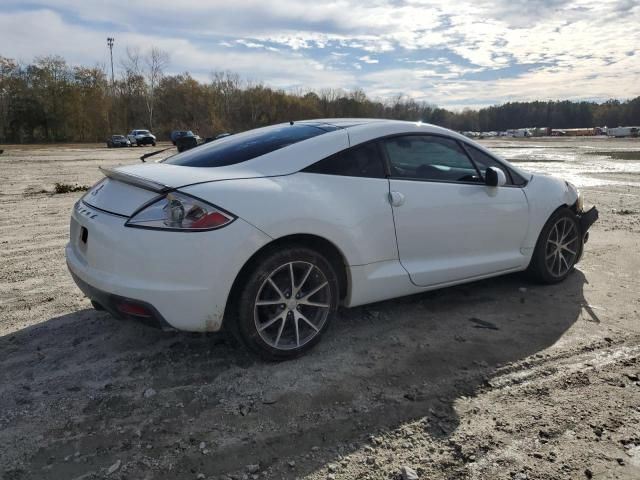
454,54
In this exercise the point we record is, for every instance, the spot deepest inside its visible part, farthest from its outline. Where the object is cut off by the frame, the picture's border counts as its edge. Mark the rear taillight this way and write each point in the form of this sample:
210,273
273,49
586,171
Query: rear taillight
180,212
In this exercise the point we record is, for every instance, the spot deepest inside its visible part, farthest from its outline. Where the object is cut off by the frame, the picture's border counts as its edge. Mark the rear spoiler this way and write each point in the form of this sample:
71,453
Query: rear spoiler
135,180
147,155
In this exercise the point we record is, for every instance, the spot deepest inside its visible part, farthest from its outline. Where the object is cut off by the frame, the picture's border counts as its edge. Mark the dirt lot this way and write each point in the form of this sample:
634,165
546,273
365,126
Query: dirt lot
498,379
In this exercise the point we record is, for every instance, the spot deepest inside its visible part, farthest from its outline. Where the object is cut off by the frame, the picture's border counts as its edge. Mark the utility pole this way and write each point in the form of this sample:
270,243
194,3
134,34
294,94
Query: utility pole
110,45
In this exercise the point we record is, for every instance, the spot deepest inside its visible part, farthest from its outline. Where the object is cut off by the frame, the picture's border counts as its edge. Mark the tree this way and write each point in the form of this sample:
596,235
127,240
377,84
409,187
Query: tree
149,66
48,100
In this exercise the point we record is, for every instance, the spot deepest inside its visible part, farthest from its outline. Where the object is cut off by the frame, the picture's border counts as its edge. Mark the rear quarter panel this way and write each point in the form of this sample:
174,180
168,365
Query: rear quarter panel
352,213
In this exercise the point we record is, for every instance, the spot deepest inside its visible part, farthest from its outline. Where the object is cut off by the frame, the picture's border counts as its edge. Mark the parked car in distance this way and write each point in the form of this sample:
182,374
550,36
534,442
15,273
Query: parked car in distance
141,137
176,134
186,143
270,230
118,141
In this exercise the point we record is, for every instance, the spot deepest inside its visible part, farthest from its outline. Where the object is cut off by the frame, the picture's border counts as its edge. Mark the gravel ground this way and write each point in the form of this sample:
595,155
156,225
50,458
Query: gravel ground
499,379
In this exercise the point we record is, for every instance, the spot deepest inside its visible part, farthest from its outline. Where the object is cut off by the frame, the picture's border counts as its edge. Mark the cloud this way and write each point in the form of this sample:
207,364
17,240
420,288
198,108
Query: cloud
81,45
449,53
368,59
249,44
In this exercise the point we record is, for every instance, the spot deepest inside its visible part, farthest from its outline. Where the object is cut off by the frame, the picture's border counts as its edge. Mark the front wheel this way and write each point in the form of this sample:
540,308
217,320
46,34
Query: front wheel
288,299
558,248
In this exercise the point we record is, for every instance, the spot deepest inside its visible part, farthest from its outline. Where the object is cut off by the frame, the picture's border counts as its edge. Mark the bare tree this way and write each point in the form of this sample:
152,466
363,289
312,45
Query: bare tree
131,63
155,63
151,67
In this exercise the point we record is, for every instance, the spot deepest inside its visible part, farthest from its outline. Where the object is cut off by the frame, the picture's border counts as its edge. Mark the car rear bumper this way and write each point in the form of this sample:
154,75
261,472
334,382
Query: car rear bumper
148,314
181,279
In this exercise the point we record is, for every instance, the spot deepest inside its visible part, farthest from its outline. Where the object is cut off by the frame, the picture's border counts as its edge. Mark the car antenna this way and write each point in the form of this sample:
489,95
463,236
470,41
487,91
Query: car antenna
147,155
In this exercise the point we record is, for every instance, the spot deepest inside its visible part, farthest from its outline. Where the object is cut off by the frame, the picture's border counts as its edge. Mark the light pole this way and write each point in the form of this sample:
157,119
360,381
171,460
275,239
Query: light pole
110,45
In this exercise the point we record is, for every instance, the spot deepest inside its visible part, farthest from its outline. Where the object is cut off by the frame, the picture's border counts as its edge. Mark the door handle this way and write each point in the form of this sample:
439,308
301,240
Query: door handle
396,199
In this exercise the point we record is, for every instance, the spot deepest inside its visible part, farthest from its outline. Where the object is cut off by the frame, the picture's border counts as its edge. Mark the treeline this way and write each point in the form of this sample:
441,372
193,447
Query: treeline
49,100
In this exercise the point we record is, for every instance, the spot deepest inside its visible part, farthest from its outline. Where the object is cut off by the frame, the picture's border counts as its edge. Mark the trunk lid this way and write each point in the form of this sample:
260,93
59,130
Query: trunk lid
126,189
174,176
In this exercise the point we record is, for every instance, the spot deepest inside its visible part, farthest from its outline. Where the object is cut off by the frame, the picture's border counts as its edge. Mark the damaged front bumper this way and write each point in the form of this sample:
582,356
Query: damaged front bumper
586,219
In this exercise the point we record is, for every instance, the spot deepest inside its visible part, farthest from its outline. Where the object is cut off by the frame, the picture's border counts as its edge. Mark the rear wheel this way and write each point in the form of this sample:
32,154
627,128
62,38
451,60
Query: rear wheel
558,248
288,299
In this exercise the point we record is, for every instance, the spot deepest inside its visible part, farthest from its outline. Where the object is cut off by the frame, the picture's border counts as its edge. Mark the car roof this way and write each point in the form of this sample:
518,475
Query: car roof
379,125
343,122
346,132
350,132
299,155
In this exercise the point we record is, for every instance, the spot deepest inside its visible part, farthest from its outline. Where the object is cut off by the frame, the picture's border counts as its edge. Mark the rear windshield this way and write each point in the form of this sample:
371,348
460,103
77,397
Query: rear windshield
246,146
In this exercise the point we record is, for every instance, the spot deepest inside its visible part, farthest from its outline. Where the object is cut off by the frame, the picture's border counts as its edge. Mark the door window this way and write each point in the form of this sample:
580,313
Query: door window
429,158
484,161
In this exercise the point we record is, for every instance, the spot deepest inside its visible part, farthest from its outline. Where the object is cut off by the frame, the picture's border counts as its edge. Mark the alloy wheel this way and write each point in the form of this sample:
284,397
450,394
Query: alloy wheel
292,305
562,247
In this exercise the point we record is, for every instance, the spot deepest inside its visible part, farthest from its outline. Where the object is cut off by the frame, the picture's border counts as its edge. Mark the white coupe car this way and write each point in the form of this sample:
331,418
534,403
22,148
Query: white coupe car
274,228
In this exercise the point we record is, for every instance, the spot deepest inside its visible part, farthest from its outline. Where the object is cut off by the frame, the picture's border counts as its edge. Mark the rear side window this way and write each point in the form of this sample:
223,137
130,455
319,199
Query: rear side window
246,146
360,161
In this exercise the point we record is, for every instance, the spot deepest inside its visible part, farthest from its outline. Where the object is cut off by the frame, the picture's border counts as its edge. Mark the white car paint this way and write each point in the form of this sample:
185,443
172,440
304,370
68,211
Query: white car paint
436,234
185,276
352,213
460,224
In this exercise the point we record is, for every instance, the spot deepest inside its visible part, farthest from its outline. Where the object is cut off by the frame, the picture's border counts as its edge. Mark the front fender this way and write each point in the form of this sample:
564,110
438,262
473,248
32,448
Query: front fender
545,194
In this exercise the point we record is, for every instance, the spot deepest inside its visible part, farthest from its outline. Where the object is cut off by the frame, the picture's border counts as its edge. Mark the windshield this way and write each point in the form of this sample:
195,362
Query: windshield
245,146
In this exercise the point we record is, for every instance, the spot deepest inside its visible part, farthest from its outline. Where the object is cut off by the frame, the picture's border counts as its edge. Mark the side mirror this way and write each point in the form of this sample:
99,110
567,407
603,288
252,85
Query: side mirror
494,177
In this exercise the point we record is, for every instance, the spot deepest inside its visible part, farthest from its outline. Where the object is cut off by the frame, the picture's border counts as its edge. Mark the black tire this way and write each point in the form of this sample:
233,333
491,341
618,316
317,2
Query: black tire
255,283
544,261
97,306
154,144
